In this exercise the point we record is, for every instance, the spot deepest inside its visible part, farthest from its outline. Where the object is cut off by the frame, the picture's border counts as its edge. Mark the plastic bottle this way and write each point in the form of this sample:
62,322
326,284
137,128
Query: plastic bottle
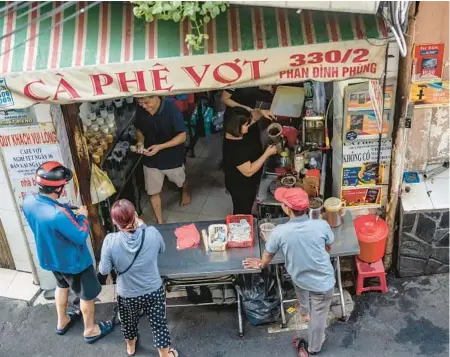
299,162
313,163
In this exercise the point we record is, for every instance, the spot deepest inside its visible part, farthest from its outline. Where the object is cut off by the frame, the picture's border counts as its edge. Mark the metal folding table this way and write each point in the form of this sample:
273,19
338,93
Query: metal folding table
345,244
201,267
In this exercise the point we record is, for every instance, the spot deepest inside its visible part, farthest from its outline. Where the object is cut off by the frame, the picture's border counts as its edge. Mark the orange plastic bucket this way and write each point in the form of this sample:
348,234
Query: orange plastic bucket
372,233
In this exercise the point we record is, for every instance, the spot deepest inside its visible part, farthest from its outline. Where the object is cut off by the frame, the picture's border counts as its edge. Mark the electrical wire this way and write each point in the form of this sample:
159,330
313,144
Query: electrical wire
27,12
397,22
91,4
376,45
22,5
10,6
49,14
40,5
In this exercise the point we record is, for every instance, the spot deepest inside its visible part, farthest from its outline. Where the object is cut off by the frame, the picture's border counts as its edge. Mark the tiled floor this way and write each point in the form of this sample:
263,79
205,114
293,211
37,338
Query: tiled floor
17,285
210,200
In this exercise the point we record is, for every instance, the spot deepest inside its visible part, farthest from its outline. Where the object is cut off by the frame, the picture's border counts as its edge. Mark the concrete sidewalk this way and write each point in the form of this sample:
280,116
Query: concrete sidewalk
412,320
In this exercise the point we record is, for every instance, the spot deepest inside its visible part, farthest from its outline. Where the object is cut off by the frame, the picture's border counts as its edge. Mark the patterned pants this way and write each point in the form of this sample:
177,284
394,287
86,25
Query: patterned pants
154,306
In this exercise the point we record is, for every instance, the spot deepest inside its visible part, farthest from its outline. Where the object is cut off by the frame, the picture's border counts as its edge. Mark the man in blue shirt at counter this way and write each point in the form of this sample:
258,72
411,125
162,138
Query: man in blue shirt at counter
305,244
60,236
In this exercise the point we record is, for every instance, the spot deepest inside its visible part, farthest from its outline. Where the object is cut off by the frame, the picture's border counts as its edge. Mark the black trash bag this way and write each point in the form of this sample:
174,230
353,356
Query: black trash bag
260,300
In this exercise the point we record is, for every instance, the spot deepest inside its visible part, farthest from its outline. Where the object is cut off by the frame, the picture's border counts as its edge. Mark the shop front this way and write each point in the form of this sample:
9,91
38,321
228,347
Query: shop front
331,137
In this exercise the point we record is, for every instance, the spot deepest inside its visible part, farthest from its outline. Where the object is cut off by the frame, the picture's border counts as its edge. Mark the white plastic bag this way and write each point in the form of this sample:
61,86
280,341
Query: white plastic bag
319,98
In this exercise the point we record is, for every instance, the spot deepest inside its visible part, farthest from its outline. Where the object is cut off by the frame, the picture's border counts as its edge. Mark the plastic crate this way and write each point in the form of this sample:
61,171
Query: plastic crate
236,219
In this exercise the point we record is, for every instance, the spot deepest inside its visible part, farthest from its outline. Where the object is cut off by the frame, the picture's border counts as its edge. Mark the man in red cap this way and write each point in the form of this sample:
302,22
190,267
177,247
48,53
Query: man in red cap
305,244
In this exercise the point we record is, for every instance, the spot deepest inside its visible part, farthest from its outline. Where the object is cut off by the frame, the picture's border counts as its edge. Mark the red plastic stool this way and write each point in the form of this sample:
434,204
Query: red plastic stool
372,270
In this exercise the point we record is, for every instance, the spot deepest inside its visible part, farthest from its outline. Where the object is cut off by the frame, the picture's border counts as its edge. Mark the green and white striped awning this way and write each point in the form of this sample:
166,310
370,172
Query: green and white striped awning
65,52
108,32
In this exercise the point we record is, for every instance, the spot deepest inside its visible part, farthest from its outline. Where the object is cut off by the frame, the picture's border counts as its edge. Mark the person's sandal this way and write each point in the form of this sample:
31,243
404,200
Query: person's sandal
136,345
217,295
74,316
105,329
300,346
174,352
229,295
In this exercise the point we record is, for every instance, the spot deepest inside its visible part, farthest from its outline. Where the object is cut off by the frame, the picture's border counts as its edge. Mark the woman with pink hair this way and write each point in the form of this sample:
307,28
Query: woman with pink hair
133,253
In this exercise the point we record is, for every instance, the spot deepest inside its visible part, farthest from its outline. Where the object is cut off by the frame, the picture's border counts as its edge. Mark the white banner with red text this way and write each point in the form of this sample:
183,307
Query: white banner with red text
320,62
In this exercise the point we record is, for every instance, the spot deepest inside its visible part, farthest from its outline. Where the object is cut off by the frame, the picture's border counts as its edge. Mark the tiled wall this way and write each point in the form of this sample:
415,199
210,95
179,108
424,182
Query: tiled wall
11,218
16,230
424,242
11,223
10,215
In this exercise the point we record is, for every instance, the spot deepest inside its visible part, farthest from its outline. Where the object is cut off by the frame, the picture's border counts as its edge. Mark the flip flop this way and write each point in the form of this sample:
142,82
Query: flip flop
229,296
300,346
74,316
217,295
138,337
105,329
174,352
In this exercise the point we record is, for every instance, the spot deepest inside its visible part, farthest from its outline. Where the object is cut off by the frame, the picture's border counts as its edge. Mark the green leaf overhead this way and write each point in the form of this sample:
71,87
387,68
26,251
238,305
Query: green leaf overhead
197,13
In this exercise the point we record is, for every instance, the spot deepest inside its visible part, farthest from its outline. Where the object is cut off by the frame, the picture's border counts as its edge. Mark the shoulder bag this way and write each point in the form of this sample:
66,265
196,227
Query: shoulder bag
135,256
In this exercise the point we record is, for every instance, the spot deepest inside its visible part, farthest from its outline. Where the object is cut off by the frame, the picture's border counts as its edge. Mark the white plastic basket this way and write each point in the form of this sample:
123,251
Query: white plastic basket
212,230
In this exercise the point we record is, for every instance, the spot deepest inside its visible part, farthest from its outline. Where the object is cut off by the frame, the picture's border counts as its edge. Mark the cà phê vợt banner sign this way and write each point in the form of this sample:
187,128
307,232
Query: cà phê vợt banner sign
321,62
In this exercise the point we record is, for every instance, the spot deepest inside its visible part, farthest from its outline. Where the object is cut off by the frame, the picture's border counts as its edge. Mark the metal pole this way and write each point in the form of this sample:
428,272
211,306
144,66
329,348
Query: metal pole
341,291
239,309
399,134
380,134
280,293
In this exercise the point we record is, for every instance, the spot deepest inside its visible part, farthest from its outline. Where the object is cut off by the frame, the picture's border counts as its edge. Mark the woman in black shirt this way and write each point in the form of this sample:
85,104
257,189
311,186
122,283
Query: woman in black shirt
243,157
244,98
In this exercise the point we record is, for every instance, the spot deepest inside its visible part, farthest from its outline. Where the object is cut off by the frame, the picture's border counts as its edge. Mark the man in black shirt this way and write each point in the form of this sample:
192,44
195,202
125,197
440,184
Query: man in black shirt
161,133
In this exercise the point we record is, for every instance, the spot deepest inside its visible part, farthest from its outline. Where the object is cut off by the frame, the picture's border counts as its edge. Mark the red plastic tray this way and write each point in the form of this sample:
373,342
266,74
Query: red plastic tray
236,219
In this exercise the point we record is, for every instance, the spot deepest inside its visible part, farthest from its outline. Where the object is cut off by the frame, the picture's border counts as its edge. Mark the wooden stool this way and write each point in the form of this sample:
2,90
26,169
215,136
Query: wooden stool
372,270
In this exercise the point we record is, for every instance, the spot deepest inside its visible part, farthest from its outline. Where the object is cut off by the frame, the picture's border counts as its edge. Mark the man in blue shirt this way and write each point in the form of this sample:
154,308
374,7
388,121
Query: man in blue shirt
305,244
161,133
60,236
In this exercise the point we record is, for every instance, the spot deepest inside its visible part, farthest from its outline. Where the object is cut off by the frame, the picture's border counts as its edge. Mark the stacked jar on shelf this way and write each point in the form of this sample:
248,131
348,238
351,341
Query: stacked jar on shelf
99,126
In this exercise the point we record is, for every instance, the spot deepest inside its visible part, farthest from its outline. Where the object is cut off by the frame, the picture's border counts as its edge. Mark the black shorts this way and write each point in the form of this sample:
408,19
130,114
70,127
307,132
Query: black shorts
85,285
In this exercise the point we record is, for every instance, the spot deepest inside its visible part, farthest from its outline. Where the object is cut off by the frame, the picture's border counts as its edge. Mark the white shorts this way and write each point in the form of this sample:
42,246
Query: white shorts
154,178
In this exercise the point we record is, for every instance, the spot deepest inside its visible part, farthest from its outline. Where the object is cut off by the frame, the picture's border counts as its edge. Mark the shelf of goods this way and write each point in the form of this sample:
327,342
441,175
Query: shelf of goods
109,133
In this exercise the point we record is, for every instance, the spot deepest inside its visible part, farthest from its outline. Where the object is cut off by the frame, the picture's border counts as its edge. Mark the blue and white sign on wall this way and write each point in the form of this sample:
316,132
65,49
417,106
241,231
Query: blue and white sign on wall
351,135
6,98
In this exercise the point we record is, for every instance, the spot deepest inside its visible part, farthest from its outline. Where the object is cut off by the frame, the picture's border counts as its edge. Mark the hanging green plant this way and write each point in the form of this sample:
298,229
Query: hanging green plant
198,13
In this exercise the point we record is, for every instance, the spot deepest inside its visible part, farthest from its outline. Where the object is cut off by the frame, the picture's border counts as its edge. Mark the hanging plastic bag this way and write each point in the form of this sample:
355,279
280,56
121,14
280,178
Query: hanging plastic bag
259,299
101,186
319,98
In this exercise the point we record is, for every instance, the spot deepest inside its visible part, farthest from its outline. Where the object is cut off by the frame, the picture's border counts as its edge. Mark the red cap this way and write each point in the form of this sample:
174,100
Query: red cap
295,198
